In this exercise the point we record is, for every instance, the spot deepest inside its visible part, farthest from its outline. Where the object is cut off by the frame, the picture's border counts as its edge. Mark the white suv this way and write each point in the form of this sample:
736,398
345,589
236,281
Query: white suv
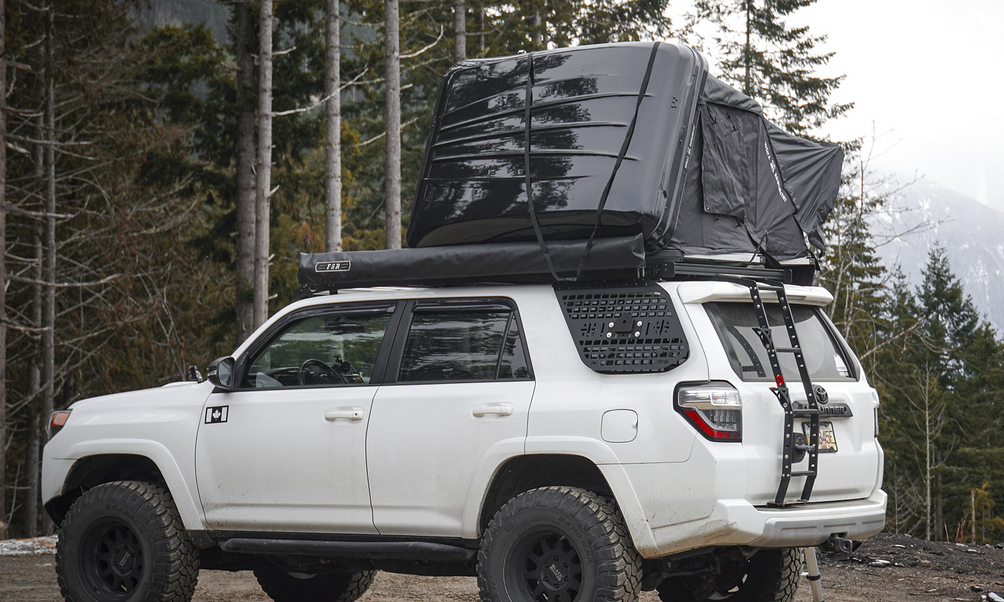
573,442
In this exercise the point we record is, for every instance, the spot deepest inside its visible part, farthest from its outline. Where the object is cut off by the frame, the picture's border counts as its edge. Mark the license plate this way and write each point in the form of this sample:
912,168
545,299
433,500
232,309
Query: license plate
827,438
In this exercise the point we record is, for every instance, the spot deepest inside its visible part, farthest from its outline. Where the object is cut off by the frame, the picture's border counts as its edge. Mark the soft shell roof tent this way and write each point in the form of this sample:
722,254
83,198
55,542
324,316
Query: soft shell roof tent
624,139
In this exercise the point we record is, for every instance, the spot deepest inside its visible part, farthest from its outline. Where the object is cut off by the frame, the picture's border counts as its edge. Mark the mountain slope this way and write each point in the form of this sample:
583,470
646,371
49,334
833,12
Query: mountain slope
925,214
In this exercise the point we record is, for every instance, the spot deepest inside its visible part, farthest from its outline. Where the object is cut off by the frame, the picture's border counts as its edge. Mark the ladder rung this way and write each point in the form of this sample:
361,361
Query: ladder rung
807,413
788,349
804,473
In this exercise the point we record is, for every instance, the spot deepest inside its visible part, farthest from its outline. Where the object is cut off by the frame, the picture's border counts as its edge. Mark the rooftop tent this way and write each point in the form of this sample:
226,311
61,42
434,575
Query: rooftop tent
750,186
615,140
574,126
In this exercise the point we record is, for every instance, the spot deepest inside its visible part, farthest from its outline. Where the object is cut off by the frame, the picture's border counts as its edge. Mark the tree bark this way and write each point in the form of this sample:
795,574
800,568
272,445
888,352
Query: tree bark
245,156
481,30
393,176
3,270
459,31
538,32
49,292
333,146
36,420
263,184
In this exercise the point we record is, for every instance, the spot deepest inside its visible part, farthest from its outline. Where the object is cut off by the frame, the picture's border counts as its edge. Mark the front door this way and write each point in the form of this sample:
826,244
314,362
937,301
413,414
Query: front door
286,451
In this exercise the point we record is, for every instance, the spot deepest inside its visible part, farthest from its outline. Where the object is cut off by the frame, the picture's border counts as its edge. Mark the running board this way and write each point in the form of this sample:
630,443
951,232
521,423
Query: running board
368,550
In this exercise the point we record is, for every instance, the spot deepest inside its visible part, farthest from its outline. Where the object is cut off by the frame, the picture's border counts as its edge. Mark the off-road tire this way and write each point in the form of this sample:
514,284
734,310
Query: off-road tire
283,586
558,544
124,542
770,576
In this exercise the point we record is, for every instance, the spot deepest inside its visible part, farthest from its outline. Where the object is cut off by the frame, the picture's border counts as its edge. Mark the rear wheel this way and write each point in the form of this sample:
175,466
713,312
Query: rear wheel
124,542
284,586
558,544
767,576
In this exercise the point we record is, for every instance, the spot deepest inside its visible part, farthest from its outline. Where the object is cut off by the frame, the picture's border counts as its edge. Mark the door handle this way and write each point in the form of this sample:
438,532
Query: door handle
343,414
498,409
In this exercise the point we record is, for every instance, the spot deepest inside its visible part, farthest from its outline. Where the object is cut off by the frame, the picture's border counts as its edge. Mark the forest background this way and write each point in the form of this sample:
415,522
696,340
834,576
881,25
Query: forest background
135,155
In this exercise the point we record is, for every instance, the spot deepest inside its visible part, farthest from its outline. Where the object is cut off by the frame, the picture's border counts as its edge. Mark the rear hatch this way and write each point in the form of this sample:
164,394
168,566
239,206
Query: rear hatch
848,458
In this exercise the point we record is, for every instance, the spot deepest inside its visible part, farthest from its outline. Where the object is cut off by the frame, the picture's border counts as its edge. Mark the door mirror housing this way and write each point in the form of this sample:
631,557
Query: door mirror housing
221,373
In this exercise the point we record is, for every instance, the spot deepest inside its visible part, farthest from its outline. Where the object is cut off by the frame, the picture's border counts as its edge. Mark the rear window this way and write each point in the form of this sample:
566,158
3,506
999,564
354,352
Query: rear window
738,329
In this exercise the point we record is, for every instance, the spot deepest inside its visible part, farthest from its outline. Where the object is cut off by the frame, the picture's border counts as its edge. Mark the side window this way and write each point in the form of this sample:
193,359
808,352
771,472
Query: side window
463,344
320,350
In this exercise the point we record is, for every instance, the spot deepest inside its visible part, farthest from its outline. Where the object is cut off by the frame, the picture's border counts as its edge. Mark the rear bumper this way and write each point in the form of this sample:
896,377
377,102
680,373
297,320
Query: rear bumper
737,522
668,515
793,527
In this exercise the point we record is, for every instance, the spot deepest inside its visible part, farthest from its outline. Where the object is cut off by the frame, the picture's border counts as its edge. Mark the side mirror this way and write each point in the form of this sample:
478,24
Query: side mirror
221,373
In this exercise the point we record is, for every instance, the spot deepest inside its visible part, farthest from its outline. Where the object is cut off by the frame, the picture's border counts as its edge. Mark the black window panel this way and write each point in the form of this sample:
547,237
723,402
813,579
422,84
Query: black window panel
463,344
737,327
513,365
320,350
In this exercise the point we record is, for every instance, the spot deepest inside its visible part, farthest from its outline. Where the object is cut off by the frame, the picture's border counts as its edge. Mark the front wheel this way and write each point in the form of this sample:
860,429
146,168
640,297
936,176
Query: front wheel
767,576
124,542
558,544
283,586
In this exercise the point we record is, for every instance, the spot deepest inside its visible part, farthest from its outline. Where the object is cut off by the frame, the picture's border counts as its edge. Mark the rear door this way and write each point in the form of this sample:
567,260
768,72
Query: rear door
849,455
457,407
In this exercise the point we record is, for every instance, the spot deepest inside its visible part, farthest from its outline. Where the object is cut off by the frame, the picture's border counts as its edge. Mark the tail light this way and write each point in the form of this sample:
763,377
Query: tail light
56,422
875,411
715,409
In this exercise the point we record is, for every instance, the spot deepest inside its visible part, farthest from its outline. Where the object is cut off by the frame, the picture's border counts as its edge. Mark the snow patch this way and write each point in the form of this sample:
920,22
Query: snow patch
28,547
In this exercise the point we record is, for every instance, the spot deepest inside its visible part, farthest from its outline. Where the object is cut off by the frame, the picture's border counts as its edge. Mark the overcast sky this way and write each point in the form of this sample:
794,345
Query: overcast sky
930,75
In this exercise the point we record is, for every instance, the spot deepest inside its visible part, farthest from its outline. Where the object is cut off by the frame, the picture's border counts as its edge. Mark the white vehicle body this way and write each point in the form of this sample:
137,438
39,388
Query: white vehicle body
425,460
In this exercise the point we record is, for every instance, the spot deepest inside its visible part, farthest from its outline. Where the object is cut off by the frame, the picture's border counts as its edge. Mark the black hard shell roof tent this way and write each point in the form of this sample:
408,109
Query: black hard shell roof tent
633,156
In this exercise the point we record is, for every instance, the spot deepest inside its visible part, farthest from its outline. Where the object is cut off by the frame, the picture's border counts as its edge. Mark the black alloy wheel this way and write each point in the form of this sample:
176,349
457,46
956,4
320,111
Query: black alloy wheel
112,559
124,542
558,544
552,569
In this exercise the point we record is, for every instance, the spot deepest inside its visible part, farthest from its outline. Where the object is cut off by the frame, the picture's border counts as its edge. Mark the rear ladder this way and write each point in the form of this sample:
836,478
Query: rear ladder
793,444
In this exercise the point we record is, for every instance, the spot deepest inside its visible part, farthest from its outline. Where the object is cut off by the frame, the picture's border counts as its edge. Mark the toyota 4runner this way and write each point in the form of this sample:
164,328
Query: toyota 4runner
566,442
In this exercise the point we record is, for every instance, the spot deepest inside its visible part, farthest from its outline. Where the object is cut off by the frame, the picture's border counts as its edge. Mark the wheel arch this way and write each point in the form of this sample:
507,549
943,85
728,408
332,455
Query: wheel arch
527,472
91,471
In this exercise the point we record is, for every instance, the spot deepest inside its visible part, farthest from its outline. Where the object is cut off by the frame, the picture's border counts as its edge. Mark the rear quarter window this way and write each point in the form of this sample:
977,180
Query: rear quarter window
739,331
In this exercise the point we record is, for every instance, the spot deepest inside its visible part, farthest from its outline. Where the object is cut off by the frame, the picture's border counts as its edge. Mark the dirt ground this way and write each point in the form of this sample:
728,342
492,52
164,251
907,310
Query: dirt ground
886,568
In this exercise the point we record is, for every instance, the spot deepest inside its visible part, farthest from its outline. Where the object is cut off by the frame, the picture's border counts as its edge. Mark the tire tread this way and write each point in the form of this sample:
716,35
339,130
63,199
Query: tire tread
619,570
175,560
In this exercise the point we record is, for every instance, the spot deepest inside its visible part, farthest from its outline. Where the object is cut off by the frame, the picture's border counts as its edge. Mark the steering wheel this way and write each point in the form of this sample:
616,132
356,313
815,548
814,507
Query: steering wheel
323,370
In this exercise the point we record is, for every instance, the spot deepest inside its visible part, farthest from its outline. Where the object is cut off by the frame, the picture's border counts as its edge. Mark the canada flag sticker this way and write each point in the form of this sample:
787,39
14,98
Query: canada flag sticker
217,414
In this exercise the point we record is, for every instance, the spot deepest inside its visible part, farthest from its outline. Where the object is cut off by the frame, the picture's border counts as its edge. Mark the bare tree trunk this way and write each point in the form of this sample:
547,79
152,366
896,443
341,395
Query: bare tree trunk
392,188
538,32
748,52
3,269
36,420
459,31
49,292
333,146
31,463
263,184
481,29
939,500
245,157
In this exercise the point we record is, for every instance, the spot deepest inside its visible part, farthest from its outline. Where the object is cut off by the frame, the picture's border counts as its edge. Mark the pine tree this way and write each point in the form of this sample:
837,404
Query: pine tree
770,61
